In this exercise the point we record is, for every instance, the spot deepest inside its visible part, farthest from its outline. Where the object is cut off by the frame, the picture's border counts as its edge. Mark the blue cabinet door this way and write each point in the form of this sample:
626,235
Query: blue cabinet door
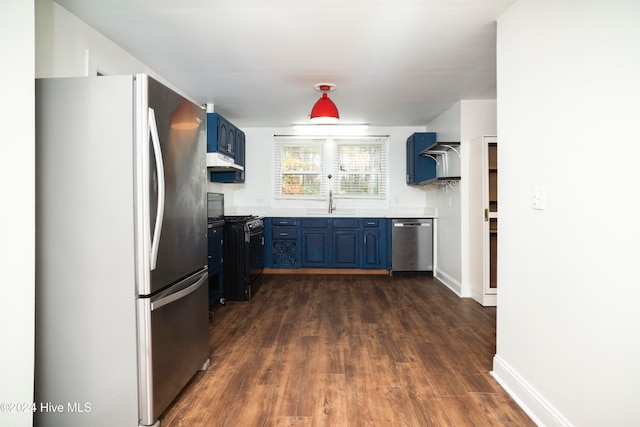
344,247
226,137
218,135
240,156
345,242
420,169
374,248
315,248
212,132
315,242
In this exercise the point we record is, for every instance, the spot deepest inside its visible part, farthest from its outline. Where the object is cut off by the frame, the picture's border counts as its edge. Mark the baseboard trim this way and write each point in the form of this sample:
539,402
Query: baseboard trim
540,411
449,282
490,300
486,300
324,271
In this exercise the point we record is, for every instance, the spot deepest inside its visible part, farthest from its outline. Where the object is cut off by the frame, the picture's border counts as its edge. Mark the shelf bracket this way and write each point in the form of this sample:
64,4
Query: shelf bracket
451,147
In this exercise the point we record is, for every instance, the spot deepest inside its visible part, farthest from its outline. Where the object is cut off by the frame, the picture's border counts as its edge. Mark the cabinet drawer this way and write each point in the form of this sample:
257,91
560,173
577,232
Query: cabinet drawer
370,222
285,222
284,233
313,223
345,223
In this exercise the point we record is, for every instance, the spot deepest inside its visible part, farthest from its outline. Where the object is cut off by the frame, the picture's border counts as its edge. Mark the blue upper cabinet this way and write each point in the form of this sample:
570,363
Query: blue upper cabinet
220,135
420,169
224,138
240,156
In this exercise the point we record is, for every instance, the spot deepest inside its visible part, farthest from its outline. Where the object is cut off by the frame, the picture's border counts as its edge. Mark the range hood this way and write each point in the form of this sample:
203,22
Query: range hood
220,162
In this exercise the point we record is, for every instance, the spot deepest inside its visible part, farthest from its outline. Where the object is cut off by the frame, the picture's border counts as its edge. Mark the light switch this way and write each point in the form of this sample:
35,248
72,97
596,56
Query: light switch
538,199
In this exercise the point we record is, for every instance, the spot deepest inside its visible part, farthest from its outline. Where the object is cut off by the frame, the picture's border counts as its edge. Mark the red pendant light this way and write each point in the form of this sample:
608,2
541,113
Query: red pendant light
324,110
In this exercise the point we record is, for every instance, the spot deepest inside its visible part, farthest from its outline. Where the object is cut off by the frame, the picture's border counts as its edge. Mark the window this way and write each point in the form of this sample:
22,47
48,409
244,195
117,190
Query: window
360,170
299,169
357,165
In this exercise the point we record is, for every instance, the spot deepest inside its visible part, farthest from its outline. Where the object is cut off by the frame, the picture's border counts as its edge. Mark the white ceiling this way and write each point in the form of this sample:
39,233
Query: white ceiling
394,62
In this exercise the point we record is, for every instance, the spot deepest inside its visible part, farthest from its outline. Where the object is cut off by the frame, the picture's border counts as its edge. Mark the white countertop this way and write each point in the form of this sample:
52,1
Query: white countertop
322,213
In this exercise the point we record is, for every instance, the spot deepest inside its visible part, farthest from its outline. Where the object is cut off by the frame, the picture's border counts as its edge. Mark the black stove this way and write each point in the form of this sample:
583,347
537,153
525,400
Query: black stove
238,218
244,256
252,221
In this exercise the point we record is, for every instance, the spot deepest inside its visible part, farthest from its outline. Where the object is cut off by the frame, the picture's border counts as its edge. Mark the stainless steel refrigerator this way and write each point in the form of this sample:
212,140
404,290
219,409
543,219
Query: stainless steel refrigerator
121,249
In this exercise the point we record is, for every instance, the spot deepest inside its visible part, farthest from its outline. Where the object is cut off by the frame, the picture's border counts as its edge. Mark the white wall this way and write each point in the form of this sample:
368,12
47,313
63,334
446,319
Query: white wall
67,47
568,334
17,216
465,121
255,196
447,201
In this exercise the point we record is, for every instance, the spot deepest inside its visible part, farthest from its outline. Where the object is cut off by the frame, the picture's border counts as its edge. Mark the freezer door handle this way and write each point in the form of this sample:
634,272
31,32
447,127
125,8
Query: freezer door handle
155,242
180,294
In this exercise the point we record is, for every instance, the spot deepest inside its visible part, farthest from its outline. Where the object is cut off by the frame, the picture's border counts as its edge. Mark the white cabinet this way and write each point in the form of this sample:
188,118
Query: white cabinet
483,221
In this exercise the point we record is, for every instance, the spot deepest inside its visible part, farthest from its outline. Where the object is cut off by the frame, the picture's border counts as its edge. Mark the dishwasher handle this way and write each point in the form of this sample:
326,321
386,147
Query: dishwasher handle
412,224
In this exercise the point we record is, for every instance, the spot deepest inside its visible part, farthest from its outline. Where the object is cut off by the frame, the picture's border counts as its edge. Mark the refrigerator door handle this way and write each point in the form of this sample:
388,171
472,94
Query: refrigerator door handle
180,294
155,242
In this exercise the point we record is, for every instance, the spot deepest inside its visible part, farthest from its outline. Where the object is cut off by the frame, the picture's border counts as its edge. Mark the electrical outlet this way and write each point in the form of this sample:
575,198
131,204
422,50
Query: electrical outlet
538,200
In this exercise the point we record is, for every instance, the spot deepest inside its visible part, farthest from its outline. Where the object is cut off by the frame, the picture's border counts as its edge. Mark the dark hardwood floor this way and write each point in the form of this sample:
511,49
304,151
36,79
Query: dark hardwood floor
348,350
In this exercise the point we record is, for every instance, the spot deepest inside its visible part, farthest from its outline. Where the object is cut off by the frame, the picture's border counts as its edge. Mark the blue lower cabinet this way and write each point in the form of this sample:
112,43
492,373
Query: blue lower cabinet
345,242
282,246
315,245
374,246
345,245
285,254
315,248
326,243
371,249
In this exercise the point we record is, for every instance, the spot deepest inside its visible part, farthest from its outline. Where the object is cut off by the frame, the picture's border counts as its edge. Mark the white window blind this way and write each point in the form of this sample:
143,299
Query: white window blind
357,165
299,169
361,169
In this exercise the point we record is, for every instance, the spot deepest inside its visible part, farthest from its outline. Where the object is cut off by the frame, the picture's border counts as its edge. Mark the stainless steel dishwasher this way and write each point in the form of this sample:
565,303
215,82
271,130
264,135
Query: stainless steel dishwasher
412,244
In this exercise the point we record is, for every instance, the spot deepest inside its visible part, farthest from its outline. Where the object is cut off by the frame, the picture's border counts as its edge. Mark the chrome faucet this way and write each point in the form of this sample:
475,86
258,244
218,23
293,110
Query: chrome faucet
331,207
